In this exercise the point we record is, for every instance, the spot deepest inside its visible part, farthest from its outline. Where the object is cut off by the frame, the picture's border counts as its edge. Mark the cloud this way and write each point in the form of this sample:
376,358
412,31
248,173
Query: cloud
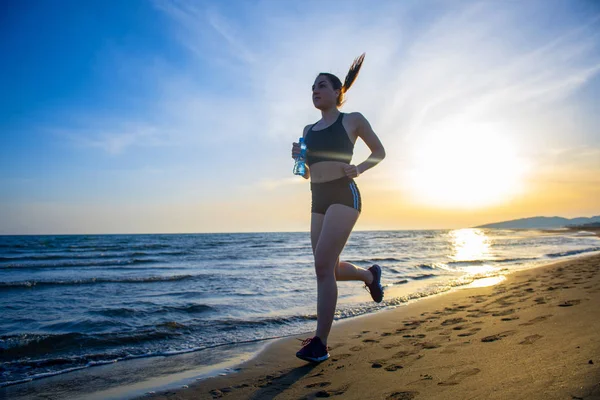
467,61
116,140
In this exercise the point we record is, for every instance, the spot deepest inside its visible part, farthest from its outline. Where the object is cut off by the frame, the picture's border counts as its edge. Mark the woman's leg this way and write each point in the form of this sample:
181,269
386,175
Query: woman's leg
350,272
316,223
344,271
335,229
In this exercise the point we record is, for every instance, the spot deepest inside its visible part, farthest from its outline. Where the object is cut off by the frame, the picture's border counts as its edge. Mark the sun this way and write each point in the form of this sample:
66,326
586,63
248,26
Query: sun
465,166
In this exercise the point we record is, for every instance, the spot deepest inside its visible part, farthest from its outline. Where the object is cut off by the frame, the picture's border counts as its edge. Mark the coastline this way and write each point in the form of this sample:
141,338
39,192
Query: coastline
532,336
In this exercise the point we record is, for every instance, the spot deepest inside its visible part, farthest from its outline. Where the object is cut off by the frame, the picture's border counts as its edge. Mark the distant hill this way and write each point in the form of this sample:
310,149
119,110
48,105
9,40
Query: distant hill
542,223
590,225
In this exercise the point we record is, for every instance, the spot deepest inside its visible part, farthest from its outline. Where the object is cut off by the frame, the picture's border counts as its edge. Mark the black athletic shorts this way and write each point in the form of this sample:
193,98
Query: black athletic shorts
340,191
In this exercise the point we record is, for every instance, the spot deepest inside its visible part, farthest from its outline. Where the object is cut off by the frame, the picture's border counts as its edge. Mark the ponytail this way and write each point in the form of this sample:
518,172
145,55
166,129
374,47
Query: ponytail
353,72
350,78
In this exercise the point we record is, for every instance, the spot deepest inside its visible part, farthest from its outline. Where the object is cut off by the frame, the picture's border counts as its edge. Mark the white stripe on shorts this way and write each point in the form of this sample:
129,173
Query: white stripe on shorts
354,194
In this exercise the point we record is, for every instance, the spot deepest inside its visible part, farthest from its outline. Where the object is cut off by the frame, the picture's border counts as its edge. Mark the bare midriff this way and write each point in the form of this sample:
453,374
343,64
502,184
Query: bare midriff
325,171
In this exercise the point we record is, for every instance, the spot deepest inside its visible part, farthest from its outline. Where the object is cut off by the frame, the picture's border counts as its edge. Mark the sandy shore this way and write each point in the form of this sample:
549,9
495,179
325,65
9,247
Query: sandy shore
534,336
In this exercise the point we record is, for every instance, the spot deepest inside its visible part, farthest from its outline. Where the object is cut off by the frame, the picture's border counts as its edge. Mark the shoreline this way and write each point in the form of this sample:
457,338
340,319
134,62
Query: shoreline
166,375
467,340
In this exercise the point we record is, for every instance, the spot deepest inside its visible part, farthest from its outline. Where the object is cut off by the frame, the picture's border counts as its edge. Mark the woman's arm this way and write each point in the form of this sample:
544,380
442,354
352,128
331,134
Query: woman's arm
365,132
296,151
307,170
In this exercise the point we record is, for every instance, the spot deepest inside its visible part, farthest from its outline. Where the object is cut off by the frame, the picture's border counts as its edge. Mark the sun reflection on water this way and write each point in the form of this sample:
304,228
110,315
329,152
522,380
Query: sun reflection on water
471,246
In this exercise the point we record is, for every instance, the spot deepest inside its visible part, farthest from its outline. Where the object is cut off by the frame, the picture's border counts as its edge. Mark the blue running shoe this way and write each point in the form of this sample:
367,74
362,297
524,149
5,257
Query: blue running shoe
375,287
313,350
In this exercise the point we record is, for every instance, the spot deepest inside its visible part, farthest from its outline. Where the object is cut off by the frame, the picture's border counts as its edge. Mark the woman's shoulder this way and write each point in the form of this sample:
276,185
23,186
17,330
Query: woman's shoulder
306,129
355,121
354,117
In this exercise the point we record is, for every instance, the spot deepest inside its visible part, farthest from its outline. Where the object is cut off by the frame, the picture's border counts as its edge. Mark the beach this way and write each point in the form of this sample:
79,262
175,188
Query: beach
533,336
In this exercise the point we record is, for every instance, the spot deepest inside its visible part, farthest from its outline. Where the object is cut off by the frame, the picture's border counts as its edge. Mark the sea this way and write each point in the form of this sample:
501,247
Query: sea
145,310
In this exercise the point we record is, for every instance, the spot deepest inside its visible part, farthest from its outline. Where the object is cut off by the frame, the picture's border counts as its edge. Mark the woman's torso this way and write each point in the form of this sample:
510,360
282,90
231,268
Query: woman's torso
329,143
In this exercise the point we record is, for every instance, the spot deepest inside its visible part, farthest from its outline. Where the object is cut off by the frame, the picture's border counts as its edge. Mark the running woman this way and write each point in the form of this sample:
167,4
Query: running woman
336,202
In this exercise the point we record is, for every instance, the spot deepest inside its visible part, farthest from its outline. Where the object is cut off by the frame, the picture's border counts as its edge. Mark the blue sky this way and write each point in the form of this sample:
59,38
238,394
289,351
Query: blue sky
174,116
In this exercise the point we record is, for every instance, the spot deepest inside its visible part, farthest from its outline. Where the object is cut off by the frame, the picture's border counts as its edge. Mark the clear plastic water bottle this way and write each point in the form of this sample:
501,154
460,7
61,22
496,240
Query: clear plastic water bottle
300,165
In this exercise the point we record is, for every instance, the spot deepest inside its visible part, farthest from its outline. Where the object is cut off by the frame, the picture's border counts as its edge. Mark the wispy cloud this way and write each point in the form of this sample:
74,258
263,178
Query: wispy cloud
466,63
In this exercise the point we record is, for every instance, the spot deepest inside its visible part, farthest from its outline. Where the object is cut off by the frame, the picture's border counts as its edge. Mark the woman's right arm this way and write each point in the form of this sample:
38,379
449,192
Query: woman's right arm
307,169
296,151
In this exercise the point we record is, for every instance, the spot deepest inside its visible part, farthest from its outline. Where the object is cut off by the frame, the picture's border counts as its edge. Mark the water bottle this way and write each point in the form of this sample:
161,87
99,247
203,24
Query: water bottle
300,166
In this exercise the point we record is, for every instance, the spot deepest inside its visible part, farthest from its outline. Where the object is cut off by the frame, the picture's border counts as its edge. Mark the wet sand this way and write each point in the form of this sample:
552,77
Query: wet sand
534,336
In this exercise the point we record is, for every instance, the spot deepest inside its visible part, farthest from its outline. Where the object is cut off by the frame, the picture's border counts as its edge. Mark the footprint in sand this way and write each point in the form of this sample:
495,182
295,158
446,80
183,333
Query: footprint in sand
478,314
536,320
458,377
479,299
355,348
498,336
531,339
470,332
370,341
393,367
503,313
402,354
340,357
434,328
329,393
318,384
453,321
402,396
427,345
569,303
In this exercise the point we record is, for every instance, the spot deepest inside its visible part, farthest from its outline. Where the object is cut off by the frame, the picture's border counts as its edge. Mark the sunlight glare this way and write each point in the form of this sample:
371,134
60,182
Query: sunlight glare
465,166
469,244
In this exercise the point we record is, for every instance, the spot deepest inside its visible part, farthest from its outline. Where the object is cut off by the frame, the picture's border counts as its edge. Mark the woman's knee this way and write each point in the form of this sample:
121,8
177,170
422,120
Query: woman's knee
325,267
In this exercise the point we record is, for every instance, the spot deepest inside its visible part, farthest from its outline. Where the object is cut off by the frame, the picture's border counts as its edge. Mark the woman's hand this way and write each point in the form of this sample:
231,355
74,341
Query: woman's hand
295,150
351,171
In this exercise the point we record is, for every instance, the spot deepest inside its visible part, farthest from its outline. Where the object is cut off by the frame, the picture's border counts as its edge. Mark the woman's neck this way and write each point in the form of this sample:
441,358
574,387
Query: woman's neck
330,115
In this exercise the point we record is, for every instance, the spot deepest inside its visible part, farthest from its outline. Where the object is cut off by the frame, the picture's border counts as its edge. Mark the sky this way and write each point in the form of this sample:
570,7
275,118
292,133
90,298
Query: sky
178,116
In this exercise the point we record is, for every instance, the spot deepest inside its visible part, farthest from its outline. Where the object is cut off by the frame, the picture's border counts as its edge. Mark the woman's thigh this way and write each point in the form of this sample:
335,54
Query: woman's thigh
316,223
335,229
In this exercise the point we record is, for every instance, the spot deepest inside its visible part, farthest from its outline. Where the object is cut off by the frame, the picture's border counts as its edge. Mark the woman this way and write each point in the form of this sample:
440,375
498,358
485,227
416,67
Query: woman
336,202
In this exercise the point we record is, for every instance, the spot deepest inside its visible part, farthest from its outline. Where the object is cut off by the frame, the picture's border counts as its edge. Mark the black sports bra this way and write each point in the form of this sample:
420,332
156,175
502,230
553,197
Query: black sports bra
329,144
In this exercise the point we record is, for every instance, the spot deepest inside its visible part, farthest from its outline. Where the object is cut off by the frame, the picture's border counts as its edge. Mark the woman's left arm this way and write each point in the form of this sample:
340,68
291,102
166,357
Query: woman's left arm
365,132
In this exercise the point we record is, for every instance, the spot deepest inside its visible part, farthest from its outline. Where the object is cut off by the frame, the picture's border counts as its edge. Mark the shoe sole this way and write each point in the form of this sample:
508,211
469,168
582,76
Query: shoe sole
378,269
315,360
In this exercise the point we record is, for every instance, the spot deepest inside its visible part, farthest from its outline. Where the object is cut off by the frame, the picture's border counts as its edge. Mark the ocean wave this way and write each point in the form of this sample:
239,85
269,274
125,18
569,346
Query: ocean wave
233,324
123,312
468,262
372,260
70,263
92,281
25,347
572,252
510,260
421,277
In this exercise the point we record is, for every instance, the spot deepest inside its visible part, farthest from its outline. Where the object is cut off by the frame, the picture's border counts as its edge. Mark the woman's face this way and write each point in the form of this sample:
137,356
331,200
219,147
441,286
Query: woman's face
323,94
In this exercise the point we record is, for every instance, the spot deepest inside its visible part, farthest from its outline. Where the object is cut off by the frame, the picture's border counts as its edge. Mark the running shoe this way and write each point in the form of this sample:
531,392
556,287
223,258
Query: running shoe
313,350
375,287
